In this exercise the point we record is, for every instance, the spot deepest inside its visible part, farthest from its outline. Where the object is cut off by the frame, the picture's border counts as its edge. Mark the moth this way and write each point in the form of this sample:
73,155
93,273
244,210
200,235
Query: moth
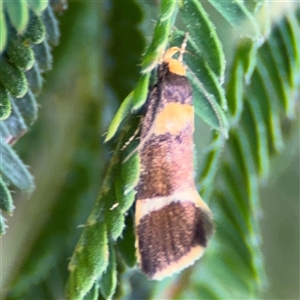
172,223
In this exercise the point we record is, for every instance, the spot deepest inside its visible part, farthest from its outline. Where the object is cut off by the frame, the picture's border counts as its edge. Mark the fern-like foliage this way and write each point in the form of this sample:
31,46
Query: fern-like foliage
28,31
246,106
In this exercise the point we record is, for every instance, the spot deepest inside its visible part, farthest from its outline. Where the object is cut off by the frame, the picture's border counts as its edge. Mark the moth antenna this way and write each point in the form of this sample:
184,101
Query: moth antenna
183,46
141,144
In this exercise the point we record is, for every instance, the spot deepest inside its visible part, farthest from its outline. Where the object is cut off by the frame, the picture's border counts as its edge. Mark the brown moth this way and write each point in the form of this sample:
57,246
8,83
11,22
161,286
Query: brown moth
173,224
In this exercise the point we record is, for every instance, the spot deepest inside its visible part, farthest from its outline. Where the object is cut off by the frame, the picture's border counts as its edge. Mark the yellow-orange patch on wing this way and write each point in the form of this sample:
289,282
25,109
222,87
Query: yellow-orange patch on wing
173,118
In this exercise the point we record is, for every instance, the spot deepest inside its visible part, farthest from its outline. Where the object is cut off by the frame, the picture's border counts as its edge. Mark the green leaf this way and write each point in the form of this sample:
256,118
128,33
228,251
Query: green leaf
28,107
2,225
194,16
114,218
18,14
19,52
120,115
210,164
247,51
51,24
14,170
253,6
3,35
38,5
287,42
92,250
206,106
293,29
209,80
277,50
237,15
12,78
231,176
110,216
4,132
5,105
140,93
93,293
235,92
126,244
35,31
261,82
275,75
258,136
43,56
34,79
130,173
15,122
6,203
108,282
241,149
160,36
196,64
